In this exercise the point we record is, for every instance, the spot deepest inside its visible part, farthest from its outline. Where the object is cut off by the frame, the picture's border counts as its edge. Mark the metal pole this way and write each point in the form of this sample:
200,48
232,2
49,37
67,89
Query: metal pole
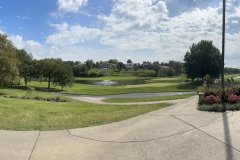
223,42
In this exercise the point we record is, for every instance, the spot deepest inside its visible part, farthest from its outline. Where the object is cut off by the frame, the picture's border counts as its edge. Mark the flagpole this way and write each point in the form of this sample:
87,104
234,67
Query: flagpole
223,42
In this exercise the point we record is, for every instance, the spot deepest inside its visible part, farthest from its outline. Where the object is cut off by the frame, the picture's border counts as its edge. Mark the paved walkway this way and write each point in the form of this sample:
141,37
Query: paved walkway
98,99
179,132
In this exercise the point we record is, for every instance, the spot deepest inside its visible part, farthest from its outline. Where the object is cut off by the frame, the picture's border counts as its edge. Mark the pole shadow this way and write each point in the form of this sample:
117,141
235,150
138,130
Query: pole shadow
227,136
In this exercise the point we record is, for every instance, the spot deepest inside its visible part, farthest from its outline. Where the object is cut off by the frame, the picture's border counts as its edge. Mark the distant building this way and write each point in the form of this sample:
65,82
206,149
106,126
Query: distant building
131,65
108,65
165,68
147,65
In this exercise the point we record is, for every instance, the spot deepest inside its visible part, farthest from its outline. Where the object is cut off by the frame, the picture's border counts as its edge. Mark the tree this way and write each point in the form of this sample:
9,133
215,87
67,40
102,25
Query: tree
113,61
89,64
48,67
202,59
129,61
63,76
8,61
24,65
120,66
157,69
35,70
80,71
177,66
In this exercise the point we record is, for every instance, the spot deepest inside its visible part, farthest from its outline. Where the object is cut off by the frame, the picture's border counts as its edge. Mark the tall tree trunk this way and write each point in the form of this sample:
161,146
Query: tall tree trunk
25,81
49,81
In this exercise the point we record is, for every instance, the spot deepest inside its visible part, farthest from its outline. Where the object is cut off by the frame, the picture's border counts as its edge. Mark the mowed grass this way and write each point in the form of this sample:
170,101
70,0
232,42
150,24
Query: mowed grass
147,99
174,84
19,114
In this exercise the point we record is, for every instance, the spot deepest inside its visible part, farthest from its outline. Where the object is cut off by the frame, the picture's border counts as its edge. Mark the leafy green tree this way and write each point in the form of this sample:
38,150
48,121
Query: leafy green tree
63,76
177,66
24,65
113,61
8,61
120,66
129,61
202,59
89,64
48,67
80,71
35,70
97,65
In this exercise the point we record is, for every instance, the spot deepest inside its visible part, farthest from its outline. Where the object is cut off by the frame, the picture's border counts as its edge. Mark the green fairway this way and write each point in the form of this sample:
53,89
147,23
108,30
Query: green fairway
153,84
19,114
147,99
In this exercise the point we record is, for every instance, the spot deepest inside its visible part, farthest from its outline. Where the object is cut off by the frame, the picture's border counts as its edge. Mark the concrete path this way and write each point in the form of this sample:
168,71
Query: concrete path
98,99
179,132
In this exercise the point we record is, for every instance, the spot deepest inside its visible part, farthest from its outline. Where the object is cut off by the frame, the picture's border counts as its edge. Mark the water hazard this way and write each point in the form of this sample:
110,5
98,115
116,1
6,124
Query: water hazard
112,83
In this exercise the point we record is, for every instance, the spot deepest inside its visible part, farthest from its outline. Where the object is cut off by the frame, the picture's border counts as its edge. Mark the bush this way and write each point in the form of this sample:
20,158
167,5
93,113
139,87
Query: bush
38,98
219,107
93,74
212,99
233,99
58,99
14,96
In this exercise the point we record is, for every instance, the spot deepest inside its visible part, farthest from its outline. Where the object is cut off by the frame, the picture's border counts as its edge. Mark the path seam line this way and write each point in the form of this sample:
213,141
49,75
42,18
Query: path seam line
207,133
34,145
136,141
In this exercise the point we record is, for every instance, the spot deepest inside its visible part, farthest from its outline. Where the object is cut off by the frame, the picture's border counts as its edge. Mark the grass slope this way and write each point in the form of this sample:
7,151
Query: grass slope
19,114
147,99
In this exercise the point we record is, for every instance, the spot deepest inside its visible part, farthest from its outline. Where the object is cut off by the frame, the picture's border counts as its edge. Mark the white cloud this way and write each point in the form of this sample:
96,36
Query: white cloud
63,26
140,30
135,15
72,35
22,17
38,50
171,36
235,22
70,6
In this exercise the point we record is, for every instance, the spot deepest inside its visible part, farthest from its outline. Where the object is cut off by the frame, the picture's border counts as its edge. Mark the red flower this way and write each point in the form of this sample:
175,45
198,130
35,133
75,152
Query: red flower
212,99
233,98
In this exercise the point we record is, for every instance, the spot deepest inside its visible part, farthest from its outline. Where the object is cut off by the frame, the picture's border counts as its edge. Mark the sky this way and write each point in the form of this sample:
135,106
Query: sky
140,30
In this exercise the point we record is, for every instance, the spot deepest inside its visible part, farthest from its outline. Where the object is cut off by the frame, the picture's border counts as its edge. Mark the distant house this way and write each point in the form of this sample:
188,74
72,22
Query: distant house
131,65
147,64
164,68
108,65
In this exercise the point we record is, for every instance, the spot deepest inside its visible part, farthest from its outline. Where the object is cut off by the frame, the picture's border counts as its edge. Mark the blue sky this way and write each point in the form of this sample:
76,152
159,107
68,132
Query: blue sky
141,30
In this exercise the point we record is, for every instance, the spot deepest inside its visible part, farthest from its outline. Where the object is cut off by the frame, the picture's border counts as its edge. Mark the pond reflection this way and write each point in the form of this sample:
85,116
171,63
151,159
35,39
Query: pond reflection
112,83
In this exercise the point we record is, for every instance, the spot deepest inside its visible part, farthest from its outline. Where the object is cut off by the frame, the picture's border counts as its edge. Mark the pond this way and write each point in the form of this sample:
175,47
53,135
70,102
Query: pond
113,83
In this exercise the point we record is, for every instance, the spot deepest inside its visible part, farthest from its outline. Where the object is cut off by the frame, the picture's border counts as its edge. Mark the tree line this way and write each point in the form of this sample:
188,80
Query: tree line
17,64
90,68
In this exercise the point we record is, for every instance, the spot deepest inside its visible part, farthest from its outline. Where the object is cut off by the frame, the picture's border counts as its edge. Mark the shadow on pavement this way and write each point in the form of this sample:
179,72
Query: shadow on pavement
227,136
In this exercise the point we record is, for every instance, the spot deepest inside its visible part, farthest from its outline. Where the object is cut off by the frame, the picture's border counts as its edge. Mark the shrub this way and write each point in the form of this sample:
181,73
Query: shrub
219,107
233,98
212,99
93,74
14,96
38,98
58,99
48,99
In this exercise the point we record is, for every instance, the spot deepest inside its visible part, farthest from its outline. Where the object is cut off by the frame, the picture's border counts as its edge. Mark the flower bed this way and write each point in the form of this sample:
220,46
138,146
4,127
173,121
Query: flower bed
212,97
51,99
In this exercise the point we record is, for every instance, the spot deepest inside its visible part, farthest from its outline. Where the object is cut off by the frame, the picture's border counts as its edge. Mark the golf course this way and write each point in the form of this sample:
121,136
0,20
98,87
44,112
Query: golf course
43,109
